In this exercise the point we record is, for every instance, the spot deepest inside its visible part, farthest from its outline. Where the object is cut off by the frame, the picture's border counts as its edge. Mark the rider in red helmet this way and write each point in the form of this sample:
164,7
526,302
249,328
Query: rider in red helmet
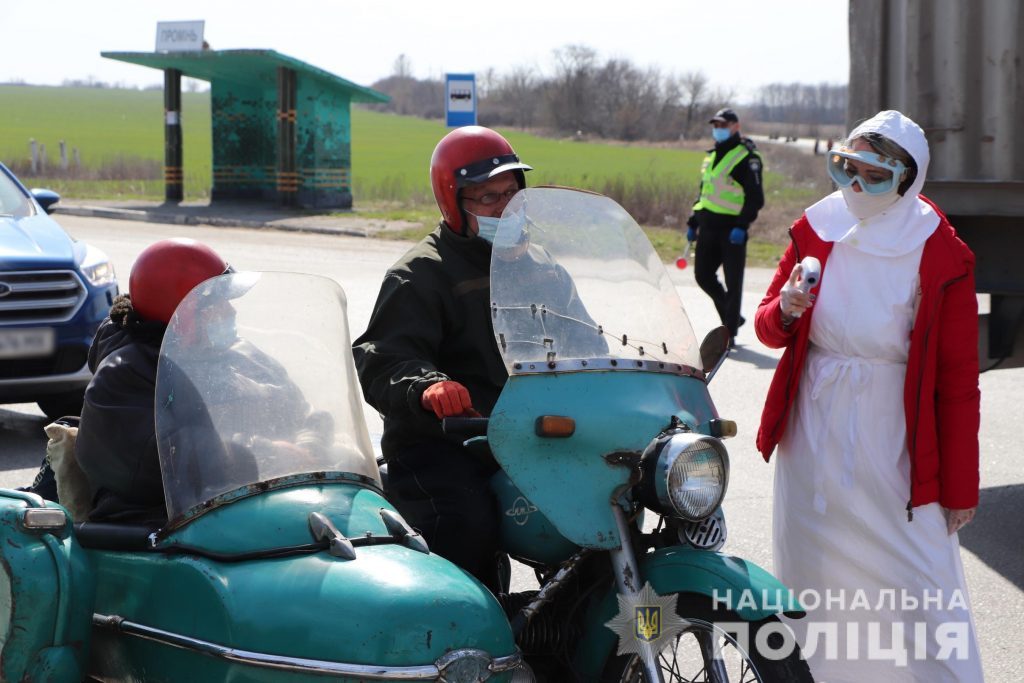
428,353
116,445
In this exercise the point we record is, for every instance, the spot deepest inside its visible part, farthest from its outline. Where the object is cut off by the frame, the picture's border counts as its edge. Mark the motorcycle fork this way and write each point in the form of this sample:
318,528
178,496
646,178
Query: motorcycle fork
629,584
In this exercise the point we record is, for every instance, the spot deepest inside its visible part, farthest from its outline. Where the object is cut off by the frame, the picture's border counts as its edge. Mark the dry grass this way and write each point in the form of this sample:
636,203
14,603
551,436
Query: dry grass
797,180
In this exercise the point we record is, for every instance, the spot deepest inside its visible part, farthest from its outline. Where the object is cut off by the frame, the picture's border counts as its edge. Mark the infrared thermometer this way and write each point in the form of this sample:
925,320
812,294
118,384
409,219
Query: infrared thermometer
810,275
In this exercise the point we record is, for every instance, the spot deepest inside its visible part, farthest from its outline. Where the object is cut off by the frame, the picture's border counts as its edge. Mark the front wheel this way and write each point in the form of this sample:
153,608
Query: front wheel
717,646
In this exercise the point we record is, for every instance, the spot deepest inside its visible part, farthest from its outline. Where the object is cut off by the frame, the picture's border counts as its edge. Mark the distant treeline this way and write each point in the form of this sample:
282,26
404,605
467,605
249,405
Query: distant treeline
189,84
613,99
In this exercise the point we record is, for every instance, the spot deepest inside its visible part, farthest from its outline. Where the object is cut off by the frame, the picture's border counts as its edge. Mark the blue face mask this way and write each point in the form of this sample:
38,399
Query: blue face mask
511,234
487,227
721,134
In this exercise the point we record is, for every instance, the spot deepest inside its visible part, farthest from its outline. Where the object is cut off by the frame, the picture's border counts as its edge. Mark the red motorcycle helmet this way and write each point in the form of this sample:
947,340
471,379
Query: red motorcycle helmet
166,271
467,156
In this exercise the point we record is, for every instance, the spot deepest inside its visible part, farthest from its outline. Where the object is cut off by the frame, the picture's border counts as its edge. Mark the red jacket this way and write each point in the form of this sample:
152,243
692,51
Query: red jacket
940,396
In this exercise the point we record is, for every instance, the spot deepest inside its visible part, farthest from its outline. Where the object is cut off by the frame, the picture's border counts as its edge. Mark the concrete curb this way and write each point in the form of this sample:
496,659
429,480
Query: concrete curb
215,221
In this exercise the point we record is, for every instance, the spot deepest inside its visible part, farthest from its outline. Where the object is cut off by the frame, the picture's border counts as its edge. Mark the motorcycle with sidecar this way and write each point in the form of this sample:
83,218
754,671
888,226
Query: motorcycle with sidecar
281,559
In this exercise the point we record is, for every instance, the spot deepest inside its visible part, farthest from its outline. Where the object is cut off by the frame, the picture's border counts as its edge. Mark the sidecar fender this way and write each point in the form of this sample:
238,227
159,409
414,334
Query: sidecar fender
736,585
46,596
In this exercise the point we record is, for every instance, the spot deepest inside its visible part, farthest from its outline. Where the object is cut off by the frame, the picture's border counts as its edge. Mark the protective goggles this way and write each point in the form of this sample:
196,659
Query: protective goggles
844,174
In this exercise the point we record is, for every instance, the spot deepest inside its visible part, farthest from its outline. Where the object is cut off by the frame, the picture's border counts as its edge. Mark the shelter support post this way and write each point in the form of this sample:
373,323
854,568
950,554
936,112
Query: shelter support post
173,178
287,173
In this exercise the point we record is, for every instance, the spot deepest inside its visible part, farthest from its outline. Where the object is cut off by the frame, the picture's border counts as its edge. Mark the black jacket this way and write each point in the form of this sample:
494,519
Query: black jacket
431,323
116,445
748,173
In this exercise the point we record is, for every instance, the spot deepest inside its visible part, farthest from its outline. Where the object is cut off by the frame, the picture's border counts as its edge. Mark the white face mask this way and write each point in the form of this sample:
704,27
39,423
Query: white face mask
222,336
864,205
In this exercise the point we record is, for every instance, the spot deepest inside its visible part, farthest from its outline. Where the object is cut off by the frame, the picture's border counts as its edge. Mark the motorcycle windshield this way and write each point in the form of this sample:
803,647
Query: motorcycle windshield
574,277
256,382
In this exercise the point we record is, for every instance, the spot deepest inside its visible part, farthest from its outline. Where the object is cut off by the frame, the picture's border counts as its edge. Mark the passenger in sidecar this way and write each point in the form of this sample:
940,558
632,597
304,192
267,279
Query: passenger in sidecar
288,569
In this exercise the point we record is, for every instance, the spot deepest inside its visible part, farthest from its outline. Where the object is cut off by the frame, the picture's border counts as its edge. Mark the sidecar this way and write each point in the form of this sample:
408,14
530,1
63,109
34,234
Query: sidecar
280,559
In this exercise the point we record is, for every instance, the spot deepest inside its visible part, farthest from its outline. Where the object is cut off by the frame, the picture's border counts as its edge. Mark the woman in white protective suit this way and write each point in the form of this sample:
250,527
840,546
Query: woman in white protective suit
875,410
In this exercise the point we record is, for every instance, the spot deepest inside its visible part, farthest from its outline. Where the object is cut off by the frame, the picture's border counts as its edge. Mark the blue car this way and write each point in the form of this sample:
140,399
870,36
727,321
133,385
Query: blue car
54,292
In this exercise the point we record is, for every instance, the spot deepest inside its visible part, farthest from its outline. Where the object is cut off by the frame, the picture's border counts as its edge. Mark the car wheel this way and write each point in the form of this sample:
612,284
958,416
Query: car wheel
59,405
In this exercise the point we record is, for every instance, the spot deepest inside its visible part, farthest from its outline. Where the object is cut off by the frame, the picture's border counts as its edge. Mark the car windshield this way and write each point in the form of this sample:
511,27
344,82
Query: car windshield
256,382
574,277
13,201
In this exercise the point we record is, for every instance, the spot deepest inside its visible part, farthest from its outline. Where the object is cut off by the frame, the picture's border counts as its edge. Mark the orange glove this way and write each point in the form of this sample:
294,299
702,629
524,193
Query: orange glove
448,399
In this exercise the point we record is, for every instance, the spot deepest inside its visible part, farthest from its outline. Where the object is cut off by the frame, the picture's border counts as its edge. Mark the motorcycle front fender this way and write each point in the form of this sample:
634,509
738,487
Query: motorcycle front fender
738,585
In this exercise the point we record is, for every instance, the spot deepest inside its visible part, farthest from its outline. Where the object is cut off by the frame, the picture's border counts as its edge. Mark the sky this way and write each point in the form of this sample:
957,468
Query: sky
739,44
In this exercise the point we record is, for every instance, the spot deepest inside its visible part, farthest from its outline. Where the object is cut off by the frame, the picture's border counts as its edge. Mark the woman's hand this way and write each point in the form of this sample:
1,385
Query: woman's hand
794,301
957,519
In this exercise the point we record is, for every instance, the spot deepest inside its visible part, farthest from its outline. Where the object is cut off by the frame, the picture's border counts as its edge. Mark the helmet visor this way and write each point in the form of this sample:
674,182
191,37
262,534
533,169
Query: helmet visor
486,169
875,173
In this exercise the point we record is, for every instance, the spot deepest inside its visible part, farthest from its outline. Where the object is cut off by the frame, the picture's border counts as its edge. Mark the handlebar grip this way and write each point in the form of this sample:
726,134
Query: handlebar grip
464,426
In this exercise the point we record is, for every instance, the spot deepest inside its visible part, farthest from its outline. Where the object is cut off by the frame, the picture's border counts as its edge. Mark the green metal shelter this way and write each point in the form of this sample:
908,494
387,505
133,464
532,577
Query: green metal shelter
281,128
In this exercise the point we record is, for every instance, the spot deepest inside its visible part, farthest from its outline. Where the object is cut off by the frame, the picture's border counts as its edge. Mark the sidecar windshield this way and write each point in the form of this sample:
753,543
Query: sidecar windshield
574,277
256,382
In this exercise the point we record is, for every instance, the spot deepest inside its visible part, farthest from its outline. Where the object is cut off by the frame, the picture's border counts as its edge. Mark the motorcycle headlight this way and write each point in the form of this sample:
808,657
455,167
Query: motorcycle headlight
96,267
685,474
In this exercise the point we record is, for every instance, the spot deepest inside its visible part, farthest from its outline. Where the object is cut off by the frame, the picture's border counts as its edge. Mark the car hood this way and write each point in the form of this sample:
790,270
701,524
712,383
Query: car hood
36,240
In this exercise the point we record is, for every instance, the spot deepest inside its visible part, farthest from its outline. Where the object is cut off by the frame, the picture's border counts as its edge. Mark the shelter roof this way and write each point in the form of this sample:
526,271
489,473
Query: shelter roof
248,67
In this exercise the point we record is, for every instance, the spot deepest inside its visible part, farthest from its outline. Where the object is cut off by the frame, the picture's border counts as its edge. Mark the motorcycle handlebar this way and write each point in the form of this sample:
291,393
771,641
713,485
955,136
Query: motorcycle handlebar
464,426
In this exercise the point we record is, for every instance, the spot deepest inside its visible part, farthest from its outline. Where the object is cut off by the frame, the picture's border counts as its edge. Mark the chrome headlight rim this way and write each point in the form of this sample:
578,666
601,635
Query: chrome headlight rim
678,449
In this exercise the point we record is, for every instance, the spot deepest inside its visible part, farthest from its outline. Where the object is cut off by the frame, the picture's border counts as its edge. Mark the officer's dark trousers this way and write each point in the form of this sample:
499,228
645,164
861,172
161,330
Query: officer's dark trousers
443,491
713,250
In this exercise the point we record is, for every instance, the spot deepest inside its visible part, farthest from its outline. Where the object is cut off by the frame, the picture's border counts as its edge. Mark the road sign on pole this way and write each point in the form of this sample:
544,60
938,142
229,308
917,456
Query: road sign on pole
179,36
460,99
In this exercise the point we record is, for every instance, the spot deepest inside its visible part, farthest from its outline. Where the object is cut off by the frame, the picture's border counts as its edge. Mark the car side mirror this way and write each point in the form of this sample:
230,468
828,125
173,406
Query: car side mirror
713,350
46,198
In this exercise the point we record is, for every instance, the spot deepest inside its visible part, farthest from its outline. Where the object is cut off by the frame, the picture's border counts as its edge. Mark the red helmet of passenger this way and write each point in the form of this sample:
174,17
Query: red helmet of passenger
467,156
168,270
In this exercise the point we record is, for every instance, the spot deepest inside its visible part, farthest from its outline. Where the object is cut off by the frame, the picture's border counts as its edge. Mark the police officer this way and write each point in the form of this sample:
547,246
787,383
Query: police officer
428,353
731,194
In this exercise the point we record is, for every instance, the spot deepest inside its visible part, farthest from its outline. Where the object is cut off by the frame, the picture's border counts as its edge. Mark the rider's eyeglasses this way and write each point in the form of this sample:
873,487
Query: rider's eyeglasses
492,198
883,174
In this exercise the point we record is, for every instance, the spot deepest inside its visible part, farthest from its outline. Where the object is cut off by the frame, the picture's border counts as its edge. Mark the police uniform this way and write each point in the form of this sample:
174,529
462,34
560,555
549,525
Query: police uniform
731,194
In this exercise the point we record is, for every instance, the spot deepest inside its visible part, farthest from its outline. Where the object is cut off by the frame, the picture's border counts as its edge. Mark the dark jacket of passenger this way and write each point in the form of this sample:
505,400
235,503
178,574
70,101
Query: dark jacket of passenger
116,445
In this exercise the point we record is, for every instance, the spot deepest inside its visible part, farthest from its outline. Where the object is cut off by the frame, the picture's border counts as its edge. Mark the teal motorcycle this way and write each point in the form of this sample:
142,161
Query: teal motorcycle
606,414
281,559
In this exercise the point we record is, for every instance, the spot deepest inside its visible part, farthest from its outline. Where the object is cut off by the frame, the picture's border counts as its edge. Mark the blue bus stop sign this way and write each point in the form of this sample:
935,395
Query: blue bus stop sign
460,99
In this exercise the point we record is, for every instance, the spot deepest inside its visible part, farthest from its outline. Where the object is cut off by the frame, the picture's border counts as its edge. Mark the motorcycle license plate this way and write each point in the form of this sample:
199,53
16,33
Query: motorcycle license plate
27,342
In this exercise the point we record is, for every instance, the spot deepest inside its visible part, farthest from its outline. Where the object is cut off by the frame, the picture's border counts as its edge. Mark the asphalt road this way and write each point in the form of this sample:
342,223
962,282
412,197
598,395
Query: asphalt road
993,545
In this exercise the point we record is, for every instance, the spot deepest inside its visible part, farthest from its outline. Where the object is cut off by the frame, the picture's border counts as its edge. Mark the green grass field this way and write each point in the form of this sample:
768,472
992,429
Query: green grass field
119,138
117,129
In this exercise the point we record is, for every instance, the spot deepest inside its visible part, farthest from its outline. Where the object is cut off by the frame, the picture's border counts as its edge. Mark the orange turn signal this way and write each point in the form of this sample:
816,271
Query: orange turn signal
555,426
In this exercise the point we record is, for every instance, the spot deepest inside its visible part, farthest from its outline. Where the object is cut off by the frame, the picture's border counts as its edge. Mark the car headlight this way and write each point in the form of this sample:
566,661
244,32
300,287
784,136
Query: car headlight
685,474
96,267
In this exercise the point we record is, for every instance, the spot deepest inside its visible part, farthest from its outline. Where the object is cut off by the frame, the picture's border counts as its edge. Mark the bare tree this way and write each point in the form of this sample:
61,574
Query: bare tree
521,94
568,98
402,67
694,87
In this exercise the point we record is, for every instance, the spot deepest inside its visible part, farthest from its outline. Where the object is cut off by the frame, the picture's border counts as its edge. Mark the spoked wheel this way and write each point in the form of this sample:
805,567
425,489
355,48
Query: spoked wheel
710,650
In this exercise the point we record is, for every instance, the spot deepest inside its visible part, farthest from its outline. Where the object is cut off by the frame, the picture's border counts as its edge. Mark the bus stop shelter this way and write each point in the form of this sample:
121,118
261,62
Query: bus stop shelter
282,129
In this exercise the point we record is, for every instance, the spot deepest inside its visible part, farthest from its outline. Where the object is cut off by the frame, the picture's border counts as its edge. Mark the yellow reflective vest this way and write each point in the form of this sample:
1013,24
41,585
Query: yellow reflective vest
719,193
